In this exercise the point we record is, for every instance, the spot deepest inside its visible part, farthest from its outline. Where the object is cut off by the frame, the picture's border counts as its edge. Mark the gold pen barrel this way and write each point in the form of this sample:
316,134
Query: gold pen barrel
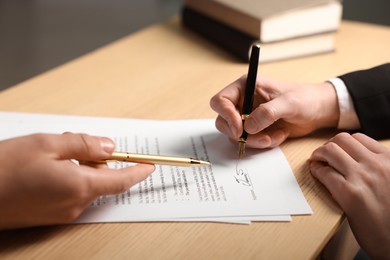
156,159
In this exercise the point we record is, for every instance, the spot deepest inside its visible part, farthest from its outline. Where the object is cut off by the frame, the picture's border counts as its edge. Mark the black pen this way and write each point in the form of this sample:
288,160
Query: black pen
249,93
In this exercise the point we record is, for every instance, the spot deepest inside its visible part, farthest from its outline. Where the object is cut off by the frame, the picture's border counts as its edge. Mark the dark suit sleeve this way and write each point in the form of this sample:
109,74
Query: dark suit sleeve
370,92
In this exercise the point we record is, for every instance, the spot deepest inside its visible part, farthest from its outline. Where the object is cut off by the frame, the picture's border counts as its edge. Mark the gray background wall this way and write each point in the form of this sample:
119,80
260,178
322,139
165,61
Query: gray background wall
38,35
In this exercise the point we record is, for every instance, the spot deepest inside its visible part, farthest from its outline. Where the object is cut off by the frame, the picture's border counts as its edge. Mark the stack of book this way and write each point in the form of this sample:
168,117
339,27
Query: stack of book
285,29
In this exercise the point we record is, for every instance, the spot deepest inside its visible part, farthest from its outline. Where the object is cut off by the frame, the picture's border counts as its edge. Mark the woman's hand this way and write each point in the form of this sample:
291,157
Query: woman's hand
40,185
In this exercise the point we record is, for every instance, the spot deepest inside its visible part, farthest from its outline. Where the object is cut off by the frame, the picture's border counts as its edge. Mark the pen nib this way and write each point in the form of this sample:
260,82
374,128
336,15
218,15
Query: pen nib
241,148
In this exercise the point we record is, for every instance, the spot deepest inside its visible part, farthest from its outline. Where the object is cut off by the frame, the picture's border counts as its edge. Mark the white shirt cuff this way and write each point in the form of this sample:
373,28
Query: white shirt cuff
348,117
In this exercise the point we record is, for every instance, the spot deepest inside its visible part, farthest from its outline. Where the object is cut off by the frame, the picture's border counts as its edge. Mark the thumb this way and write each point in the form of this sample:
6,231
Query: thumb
266,114
83,147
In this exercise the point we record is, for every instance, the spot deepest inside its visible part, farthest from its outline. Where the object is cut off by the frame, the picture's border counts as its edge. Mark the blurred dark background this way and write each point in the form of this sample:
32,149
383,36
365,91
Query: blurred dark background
37,35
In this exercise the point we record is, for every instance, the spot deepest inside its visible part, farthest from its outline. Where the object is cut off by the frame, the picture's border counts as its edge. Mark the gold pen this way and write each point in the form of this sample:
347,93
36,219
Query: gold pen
248,95
155,159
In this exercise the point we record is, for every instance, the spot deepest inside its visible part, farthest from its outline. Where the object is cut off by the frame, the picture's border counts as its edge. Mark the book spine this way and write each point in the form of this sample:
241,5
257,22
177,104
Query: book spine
230,39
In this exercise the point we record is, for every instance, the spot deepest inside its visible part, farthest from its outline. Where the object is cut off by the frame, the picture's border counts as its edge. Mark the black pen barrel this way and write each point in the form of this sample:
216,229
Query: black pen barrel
251,79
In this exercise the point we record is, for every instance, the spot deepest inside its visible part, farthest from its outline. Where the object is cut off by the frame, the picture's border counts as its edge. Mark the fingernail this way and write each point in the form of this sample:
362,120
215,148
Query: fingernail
152,168
107,144
234,130
250,125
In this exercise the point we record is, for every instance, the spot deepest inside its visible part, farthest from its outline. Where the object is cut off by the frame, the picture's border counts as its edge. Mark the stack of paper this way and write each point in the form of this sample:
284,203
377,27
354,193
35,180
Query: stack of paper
260,187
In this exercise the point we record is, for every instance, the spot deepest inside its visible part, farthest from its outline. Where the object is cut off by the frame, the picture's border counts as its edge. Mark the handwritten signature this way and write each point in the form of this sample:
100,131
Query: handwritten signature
242,177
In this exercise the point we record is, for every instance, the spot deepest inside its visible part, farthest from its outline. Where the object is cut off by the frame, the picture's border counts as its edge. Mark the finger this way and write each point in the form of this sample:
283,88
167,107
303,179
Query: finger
335,157
231,93
267,139
334,182
351,146
97,165
228,130
110,181
277,137
268,113
225,104
371,144
82,147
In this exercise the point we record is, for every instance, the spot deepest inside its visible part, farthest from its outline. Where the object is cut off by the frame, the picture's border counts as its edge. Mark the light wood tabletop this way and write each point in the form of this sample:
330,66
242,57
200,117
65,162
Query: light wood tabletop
168,72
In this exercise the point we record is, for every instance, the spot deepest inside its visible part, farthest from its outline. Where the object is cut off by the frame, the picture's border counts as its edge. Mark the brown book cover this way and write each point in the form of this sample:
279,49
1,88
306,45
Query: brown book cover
273,20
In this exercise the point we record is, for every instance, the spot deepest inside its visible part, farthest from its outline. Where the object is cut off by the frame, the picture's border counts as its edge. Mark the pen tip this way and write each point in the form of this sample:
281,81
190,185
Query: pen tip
200,162
241,149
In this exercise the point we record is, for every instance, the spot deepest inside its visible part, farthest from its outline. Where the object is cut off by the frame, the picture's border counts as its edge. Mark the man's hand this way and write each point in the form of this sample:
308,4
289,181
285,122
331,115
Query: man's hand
356,171
281,110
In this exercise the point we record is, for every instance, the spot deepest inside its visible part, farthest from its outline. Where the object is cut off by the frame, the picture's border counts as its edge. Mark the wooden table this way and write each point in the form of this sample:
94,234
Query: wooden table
167,72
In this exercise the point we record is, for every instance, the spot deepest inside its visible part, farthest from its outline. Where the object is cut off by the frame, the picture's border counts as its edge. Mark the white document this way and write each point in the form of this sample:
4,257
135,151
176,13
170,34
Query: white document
259,187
